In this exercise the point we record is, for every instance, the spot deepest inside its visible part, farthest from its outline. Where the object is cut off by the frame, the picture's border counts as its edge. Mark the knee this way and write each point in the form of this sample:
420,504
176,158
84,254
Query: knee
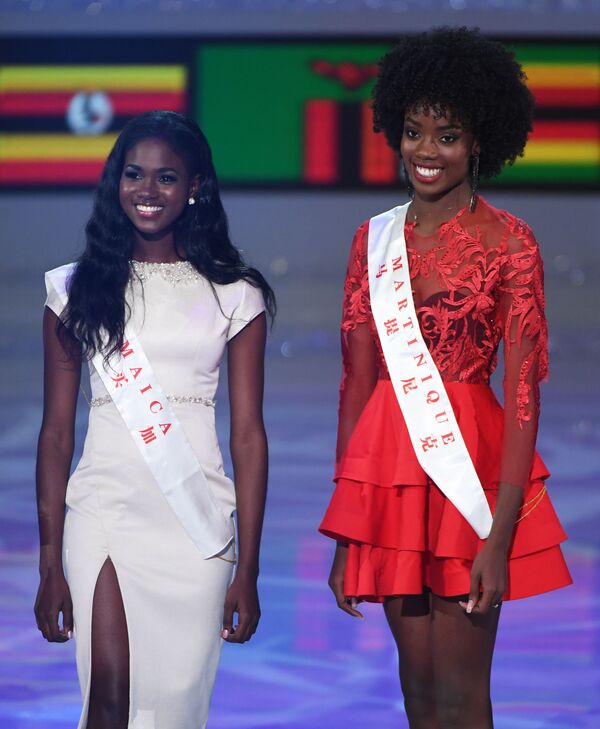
419,699
450,710
463,707
109,706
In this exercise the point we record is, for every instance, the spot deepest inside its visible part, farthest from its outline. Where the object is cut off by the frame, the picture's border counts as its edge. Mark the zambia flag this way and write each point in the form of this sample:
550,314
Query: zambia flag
293,113
58,123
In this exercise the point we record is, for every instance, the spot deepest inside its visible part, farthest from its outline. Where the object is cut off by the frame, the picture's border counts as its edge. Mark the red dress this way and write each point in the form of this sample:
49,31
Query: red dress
477,281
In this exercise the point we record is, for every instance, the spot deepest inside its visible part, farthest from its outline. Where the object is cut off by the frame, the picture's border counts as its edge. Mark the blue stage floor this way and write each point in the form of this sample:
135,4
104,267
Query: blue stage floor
311,666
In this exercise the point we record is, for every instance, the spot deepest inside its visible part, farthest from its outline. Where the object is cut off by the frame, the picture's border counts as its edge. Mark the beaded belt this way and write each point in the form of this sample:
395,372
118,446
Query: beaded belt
97,402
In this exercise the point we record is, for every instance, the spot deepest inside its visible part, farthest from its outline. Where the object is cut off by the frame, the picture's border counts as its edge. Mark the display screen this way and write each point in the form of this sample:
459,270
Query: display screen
60,121
291,114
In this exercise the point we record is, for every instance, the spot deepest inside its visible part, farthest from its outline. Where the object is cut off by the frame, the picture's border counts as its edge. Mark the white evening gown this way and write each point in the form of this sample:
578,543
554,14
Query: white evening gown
173,597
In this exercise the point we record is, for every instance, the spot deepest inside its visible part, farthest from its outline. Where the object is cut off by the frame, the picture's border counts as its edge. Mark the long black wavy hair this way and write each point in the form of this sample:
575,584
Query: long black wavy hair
97,312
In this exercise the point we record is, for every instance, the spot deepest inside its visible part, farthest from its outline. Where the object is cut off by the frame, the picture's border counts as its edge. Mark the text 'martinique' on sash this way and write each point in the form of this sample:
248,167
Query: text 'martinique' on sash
426,408
159,436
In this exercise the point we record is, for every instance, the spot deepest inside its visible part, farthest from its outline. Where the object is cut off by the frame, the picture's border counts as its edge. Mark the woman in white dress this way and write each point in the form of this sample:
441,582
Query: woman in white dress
136,558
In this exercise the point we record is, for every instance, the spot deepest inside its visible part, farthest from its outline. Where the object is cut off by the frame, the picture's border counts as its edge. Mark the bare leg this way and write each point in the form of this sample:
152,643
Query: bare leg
109,690
463,647
409,618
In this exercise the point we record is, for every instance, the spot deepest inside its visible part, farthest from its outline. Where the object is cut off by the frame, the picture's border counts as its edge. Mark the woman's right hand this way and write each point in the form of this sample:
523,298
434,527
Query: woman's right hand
54,597
336,582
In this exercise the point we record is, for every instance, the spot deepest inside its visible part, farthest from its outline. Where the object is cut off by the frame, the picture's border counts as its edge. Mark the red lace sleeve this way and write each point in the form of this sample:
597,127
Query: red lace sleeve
525,350
357,305
359,353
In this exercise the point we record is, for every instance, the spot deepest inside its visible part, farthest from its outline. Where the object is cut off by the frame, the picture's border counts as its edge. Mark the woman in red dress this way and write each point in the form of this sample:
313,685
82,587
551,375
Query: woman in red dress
455,106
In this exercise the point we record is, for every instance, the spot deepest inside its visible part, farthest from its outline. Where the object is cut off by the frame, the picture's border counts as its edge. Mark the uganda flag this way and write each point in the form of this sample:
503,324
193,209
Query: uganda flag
58,123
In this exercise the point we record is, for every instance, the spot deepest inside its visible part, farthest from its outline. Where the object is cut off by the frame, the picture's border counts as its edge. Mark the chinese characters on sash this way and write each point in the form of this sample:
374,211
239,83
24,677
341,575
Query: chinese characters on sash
132,377
422,397
420,385
158,435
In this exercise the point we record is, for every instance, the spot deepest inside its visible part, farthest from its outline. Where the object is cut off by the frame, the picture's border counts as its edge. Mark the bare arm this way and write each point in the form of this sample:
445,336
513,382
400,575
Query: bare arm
248,443
62,373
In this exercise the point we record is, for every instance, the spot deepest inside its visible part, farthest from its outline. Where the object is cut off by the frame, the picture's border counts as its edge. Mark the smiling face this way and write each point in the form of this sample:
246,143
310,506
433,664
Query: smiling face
436,151
154,189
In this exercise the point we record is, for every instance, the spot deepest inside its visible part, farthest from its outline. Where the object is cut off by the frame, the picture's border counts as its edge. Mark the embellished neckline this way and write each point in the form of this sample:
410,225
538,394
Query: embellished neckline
175,273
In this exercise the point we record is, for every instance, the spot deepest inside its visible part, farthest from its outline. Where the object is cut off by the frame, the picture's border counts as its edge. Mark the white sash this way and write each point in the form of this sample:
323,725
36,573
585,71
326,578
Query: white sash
432,426
156,431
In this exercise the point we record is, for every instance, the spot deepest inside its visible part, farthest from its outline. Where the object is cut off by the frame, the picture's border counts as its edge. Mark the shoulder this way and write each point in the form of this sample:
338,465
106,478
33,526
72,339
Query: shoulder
240,293
361,236
360,241
61,273
235,289
503,230
240,302
57,286
357,257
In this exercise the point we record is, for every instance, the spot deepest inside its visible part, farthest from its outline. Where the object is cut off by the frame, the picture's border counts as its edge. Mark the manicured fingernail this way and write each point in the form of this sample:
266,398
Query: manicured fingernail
69,634
470,606
224,633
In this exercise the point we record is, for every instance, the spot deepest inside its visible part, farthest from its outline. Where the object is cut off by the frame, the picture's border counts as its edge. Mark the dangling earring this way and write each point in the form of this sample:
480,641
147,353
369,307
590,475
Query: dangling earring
474,181
409,187
191,200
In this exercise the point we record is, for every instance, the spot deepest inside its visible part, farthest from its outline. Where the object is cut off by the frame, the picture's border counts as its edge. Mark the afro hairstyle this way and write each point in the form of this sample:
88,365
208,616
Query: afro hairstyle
460,72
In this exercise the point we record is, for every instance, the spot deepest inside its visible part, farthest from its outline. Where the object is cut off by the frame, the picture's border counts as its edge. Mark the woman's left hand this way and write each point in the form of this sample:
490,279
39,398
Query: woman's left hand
241,598
488,580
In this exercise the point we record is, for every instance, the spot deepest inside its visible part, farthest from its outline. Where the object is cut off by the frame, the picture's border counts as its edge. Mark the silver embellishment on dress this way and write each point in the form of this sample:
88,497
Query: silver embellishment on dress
97,402
173,273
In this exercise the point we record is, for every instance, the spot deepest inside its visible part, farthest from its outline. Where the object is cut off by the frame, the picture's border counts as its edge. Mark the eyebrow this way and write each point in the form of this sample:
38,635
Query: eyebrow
445,128
160,169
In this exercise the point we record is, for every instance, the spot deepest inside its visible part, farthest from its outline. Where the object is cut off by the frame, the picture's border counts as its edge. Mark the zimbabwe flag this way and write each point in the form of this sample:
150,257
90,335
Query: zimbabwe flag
58,123
564,148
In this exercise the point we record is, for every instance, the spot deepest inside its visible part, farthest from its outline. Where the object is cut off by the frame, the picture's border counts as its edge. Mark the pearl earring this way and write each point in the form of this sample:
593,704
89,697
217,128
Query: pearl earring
191,201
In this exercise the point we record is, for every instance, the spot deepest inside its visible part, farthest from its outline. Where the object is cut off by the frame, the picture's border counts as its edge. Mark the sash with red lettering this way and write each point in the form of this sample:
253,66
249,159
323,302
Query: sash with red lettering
434,432
158,435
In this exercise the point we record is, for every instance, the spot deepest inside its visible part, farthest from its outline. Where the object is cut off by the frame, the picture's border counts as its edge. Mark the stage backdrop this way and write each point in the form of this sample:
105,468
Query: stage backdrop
277,113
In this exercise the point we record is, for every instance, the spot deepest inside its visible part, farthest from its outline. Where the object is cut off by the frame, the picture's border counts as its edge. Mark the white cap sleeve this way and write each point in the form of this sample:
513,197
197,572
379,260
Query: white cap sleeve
56,285
250,305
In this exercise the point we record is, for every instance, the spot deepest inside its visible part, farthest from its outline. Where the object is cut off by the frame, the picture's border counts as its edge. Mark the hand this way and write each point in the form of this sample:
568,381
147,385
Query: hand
336,582
241,598
488,580
54,597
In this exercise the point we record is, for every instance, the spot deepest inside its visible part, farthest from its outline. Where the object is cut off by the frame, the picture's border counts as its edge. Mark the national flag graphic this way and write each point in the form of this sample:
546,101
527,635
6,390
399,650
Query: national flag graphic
562,75
299,114
293,113
58,123
277,114
564,148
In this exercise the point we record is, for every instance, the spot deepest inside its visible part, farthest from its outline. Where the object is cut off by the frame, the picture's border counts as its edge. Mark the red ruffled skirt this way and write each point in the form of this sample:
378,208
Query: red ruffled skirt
405,535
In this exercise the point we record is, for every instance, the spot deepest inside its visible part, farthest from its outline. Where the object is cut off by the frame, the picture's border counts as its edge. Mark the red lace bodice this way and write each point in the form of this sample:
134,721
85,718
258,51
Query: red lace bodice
478,280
